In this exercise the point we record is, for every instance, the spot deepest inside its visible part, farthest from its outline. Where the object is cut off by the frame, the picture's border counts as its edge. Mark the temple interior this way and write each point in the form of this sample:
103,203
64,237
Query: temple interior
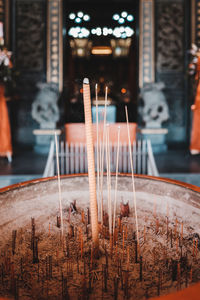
142,51
106,93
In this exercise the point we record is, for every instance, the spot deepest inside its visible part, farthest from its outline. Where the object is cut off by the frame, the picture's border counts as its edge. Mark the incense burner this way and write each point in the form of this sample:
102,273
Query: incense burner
36,261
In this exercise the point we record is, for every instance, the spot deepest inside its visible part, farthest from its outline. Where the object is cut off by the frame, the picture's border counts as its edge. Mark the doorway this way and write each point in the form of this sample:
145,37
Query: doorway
101,43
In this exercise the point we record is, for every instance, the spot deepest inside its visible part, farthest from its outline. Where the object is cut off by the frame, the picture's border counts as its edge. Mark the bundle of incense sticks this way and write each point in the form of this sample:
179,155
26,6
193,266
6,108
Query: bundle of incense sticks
95,207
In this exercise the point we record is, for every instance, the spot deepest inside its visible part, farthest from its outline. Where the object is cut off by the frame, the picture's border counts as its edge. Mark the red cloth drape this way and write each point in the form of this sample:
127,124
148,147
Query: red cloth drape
5,134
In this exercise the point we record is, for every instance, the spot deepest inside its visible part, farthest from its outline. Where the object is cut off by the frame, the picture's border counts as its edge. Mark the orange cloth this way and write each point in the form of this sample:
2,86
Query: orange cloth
5,134
195,135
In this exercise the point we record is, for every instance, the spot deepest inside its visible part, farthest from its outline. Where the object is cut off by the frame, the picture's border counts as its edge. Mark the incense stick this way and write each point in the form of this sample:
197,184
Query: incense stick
108,178
91,164
59,186
102,156
116,178
97,145
133,181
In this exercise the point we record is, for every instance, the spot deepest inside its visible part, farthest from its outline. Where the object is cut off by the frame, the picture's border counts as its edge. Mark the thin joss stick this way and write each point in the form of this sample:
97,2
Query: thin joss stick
110,229
102,161
59,185
116,178
108,179
100,185
97,132
133,181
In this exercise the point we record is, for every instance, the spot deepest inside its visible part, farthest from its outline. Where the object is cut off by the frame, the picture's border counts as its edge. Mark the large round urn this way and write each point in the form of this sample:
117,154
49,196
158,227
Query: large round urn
38,262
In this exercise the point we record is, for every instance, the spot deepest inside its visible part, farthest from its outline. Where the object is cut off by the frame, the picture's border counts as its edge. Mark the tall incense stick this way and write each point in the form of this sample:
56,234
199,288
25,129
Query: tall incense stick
133,181
91,164
97,129
116,178
59,186
108,179
102,156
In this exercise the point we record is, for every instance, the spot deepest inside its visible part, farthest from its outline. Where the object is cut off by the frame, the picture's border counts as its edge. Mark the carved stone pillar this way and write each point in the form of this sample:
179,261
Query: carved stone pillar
146,43
195,22
55,43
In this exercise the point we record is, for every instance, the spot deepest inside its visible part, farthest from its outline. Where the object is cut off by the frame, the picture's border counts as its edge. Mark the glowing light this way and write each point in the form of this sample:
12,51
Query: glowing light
86,18
105,31
81,91
129,31
123,91
80,14
124,14
116,32
130,18
98,31
123,35
110,31
78,32
78,20
101,50
121,21
85,32
118,51
93,31
72,16
116,17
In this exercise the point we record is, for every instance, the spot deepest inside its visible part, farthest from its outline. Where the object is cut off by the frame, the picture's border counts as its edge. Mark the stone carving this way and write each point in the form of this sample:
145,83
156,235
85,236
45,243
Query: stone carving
155,109
170,32
30,35
44,108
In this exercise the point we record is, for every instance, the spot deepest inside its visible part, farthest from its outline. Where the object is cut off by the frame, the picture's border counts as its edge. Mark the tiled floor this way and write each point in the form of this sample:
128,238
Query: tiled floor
177,161
25,161
27,165
179,165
